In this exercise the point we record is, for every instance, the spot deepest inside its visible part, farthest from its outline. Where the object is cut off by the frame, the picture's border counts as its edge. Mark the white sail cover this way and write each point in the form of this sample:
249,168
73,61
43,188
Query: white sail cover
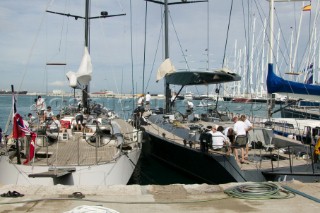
165,68
83,76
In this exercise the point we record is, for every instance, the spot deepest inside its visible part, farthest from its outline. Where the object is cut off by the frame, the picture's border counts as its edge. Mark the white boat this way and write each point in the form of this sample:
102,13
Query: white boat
188,96
204,103
104,152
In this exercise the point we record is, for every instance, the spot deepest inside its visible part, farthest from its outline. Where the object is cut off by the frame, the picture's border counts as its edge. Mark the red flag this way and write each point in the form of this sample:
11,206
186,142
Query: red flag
31,148
17,124
19,130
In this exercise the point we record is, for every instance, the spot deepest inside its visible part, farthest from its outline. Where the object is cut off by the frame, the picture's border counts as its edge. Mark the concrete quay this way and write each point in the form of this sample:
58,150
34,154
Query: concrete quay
154,198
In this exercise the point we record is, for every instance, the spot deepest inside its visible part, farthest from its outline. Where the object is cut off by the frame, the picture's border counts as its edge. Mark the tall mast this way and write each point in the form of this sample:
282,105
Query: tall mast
271,6
86,36
271,41
270,57
167,91
86,18
166,4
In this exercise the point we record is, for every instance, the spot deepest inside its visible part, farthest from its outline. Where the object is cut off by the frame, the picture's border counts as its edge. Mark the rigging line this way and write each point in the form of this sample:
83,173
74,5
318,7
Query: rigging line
305,57
32,47
248,48
176,33
312,32
225,46
181,49
120,5
62,27
295,25
309,41
144,47
282,35
131,55
66,52
156,53
260,10
208,36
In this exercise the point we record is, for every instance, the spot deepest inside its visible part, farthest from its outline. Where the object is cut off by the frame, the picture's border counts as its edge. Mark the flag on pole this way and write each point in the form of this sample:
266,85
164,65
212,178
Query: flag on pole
31,148
307,8
20,129
309,75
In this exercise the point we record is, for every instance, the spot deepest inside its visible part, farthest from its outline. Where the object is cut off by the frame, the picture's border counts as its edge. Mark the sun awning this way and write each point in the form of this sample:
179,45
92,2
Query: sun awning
186,78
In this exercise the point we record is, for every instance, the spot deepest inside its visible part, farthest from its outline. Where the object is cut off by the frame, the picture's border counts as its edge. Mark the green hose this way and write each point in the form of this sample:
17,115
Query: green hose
258,191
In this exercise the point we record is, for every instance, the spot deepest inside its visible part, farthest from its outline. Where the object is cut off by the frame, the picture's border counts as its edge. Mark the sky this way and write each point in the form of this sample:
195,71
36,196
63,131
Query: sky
120,46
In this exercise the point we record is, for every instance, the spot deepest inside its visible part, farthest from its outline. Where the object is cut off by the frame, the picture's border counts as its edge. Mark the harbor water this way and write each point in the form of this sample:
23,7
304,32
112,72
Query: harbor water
148,170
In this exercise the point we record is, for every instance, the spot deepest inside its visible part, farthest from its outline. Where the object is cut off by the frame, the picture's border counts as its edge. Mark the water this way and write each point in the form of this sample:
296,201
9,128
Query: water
148,170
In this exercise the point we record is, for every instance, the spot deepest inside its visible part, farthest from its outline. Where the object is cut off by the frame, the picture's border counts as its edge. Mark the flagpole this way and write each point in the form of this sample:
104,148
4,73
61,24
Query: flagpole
15,126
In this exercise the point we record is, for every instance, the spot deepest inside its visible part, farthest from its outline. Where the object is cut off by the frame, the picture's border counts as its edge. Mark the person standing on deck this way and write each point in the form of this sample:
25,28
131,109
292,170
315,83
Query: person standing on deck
140,104
249,127
240,129
41,107
148,99
141,101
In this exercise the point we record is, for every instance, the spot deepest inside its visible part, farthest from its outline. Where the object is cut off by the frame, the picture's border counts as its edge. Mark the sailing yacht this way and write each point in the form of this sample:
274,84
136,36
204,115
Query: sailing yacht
91,147
306,93
183,142
301,115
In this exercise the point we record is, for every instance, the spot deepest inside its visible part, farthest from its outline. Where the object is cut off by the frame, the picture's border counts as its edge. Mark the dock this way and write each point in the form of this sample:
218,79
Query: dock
176,198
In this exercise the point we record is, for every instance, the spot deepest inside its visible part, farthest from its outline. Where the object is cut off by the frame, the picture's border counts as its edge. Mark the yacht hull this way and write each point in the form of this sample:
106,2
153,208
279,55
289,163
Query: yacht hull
305,114
204,167
114,173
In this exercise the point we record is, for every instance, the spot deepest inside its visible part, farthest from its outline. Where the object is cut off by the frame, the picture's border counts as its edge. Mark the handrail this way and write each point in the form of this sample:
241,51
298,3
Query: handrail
309,153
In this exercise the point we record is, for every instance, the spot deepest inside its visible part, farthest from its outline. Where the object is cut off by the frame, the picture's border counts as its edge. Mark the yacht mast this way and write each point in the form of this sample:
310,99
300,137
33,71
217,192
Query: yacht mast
166,4
166,56
86,35
271,42
87,17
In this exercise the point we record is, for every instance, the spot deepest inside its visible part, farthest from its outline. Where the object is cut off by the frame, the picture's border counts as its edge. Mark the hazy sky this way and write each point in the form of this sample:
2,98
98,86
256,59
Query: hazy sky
30,38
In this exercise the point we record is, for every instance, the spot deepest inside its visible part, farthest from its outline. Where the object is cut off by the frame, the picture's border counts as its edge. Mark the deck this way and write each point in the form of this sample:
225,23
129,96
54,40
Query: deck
74,150
254,161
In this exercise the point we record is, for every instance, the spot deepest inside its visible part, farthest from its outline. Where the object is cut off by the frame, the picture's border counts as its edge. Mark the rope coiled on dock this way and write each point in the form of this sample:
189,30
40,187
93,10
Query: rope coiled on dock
258,191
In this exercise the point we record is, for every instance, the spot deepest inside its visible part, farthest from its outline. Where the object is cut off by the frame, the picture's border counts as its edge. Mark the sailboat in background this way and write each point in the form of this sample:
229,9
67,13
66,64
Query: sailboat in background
92,146
306,93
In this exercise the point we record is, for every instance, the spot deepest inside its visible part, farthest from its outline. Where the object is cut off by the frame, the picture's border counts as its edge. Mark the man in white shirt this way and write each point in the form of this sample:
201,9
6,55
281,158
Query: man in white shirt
249,127
140,101
240,129
219,140
140,108
41,107
148,99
